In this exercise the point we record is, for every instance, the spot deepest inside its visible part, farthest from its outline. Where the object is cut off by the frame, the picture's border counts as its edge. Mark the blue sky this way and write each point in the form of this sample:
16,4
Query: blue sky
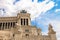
42,12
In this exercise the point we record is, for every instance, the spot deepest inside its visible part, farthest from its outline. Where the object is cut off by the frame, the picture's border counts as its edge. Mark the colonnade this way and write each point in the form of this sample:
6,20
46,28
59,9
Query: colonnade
6,25
24,21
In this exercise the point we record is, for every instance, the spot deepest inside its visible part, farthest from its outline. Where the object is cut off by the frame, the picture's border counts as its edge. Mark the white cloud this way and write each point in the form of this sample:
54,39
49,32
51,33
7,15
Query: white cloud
57,10
34,8
8,6
45,33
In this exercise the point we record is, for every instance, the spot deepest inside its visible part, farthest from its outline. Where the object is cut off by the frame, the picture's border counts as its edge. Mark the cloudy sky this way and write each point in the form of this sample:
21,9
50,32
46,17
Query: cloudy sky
42,12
